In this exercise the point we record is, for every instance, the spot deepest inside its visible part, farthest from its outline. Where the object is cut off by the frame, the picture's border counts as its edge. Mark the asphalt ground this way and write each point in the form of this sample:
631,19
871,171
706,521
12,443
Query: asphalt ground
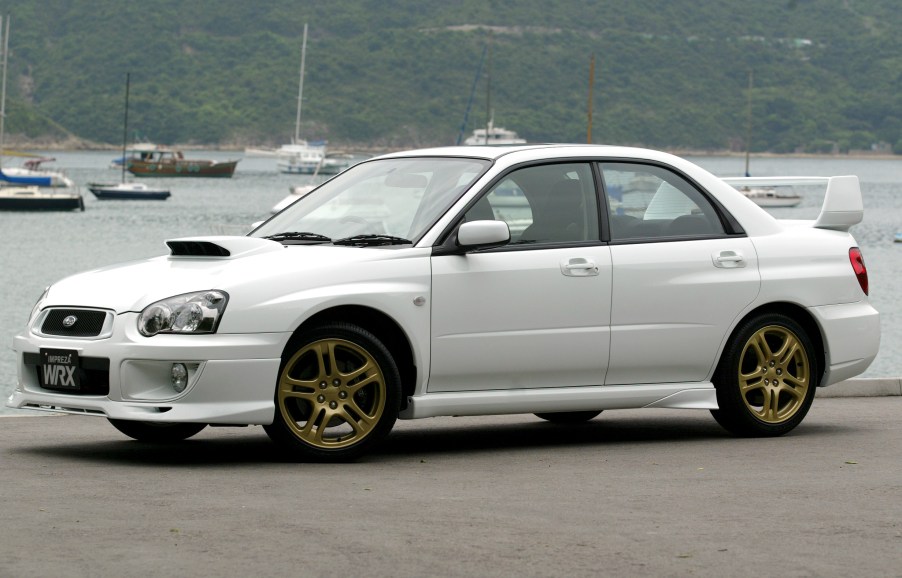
631,493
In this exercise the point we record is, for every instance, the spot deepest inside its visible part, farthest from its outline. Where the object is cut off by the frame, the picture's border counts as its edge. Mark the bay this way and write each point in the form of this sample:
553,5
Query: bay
40,248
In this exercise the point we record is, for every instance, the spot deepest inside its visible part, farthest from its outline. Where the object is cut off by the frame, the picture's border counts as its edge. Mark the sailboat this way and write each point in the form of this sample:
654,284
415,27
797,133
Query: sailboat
490,134
124,190
763,196
300,156
26,189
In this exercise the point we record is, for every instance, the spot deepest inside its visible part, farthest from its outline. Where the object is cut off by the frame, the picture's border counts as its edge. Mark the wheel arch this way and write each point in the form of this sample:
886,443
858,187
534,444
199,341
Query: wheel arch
384,327
798,314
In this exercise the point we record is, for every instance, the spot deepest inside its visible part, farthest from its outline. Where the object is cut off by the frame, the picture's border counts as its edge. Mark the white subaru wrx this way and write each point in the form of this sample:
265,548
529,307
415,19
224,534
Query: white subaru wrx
560,280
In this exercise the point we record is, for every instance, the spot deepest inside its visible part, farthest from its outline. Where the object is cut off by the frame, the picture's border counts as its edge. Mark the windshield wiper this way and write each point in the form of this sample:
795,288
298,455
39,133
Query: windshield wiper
370,240
298,236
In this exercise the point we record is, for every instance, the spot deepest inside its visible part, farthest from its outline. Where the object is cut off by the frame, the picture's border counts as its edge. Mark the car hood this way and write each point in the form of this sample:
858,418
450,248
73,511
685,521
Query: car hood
198,264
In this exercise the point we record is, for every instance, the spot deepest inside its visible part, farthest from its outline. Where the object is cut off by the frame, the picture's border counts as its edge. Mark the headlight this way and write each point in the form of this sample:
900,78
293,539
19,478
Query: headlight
37,306
189,313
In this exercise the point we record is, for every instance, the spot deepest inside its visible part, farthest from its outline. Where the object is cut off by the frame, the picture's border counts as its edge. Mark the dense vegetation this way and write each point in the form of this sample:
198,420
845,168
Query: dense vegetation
397,73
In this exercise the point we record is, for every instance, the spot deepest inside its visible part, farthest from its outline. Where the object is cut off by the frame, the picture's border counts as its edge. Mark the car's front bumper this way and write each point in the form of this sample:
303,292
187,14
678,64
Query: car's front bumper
232,377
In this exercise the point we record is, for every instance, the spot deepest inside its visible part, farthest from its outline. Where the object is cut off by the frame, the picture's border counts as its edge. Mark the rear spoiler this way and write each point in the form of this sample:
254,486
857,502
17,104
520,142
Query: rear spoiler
842,206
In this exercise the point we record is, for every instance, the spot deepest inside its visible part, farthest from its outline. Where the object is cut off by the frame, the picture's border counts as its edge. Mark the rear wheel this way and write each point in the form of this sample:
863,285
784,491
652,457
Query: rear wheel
338,394
568,416
767,377
153,432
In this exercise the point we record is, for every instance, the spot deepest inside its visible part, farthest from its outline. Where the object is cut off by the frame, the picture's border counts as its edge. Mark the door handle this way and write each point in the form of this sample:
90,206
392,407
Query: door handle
728,260
579,267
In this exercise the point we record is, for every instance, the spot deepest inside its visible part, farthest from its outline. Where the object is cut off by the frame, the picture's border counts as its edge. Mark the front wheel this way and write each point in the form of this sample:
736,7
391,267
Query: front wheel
767,377
338,394
154,432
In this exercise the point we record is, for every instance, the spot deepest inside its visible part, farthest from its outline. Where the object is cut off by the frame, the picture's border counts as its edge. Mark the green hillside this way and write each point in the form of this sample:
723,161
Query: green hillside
399,73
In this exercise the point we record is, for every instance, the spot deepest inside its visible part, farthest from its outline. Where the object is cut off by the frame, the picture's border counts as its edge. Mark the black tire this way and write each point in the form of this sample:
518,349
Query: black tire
154,432
766,378
338,394
568,416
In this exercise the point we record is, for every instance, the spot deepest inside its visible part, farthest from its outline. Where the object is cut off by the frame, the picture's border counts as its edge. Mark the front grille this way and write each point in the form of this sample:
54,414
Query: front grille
87,322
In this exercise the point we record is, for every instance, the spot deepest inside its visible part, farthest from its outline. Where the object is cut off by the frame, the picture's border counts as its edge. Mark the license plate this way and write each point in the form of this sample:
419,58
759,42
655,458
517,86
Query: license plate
59,369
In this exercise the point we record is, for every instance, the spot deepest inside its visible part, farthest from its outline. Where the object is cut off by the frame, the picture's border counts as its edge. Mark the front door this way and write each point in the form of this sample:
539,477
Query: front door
537,312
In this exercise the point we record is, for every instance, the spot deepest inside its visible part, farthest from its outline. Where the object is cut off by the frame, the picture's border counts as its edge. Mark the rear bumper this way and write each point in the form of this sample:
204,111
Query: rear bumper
851,338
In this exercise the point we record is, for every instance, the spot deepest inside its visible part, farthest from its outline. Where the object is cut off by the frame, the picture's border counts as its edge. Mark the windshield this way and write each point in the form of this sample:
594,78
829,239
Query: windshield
390,198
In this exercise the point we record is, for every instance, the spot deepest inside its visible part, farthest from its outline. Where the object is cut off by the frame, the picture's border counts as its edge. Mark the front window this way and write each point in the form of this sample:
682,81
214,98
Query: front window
397,198
554,203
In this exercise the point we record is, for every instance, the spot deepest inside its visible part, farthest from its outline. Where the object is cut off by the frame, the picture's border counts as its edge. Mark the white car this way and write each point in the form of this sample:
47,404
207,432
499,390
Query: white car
560,280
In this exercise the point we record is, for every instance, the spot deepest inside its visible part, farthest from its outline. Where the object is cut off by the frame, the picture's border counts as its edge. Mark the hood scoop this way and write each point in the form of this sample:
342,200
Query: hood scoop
220,247
197,249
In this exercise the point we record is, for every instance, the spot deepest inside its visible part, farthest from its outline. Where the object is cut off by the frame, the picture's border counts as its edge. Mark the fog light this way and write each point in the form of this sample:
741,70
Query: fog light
179,377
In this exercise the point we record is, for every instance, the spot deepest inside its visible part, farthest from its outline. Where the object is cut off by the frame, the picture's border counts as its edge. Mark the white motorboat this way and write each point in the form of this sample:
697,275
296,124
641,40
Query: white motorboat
123,191
493,135
31,198
770,198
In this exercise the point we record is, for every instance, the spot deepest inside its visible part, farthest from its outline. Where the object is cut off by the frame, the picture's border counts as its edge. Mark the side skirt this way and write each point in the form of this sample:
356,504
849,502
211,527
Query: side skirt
696,395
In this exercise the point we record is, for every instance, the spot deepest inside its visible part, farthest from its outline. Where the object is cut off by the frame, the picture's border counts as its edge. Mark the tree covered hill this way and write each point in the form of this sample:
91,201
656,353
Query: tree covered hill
399,73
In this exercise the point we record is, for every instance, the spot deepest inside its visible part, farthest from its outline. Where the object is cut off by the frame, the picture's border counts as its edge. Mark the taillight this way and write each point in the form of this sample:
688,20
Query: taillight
861,271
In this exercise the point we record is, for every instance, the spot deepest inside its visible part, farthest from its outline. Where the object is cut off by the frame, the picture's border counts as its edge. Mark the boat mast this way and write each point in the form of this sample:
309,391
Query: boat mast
5,39
589,108
488,92
748,127
463,126
297,124
125,127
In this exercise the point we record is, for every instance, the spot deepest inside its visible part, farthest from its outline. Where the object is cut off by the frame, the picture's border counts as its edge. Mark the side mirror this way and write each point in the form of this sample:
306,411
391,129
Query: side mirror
483,235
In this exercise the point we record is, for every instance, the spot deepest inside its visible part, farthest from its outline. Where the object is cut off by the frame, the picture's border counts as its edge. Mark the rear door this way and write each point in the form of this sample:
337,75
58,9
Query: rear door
680,277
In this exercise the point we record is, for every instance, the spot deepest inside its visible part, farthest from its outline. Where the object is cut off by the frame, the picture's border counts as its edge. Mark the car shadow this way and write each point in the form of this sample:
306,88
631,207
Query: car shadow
419,439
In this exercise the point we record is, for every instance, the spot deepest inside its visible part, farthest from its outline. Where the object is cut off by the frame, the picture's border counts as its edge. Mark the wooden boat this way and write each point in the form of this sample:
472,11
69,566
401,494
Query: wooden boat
172,163
127,191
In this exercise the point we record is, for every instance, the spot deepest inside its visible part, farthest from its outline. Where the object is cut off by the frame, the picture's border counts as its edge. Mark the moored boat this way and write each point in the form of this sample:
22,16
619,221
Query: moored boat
770,198
127,191
493,135
301,157
172,163
32,198
28,188
32,168
334,163
124,190
765,191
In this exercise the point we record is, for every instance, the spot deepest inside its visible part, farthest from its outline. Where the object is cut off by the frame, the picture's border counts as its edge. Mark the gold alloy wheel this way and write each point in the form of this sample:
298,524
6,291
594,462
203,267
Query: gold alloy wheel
774,374
332,393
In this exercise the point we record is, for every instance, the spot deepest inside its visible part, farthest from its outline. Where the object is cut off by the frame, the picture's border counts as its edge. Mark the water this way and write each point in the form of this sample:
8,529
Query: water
40,248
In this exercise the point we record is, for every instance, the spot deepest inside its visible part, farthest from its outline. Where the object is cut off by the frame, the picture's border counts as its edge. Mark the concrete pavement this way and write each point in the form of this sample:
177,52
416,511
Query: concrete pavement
631,493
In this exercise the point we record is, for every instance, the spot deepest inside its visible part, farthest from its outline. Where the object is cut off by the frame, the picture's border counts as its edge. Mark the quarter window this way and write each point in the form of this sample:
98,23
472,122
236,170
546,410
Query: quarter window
649,202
